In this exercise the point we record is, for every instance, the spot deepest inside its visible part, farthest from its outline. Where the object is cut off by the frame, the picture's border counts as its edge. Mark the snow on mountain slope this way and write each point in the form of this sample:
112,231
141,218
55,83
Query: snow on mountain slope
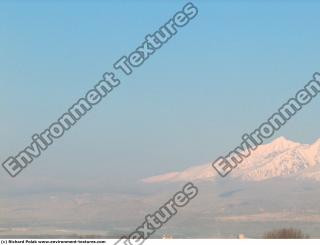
202,172
280,158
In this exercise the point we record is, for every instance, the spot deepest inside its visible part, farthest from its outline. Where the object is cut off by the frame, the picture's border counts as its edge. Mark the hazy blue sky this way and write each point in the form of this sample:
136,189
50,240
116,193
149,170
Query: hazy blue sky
222,75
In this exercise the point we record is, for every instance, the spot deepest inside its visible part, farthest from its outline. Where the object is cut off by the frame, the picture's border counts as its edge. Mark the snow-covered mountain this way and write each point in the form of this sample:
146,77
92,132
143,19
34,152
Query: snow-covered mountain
280,158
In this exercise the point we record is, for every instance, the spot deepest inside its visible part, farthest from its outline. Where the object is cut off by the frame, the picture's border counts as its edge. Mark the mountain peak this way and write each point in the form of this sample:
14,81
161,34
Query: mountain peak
283,140
280,144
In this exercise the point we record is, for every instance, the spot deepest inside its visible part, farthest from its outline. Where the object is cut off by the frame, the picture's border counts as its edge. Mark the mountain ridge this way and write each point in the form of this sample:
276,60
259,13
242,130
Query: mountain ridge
280,158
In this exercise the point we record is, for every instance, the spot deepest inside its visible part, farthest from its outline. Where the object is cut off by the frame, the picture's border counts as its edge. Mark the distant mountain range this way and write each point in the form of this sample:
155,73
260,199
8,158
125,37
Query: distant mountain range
278,186
280,158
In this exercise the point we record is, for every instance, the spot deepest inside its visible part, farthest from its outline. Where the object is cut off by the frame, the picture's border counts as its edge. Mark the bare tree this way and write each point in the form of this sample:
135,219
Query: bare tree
285,234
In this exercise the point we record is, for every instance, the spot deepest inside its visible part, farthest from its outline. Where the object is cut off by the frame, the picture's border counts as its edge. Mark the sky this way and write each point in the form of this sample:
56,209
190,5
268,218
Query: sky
221,76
